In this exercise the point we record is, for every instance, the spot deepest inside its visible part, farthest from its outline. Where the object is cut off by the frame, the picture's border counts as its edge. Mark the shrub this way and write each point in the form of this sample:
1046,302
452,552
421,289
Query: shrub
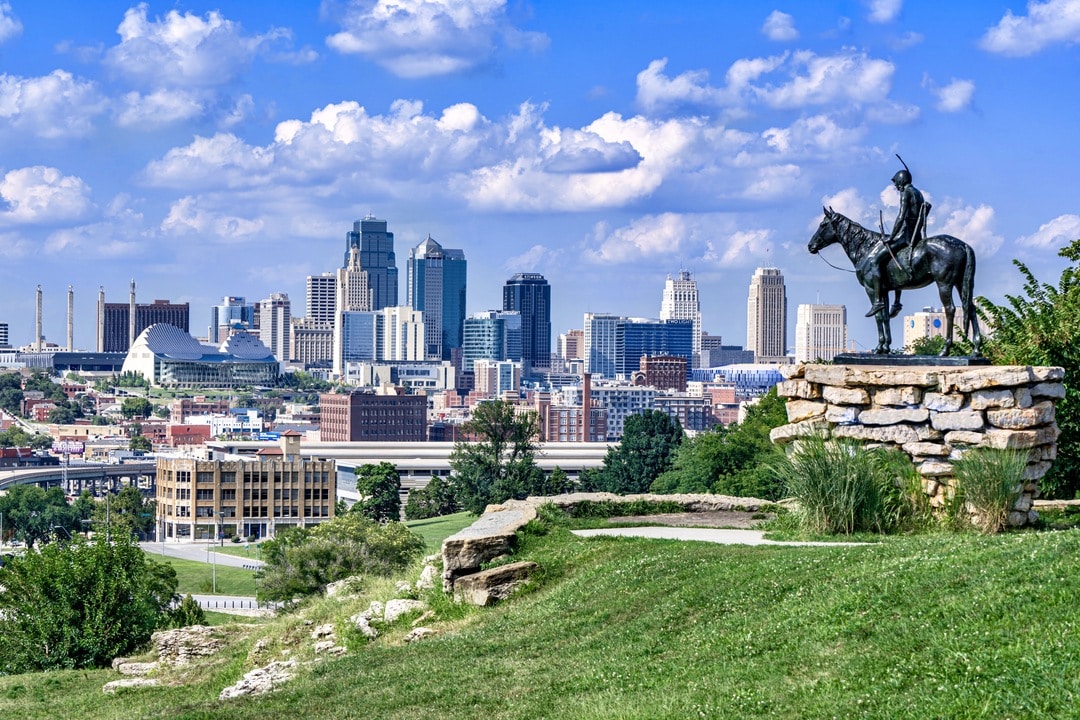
842,487
988,483
188,612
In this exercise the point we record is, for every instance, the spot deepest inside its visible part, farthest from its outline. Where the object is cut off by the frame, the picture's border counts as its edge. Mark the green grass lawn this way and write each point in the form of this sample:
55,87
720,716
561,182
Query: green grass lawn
957,626
198,577
435,530
240,549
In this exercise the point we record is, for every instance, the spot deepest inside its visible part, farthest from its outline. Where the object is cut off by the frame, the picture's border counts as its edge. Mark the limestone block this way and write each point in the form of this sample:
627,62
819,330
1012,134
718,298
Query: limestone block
1049,390
892,376
135,668
183,645
845,396
1023,397
826,374
925,433
799,410
962,420
1023,503
397,608
261,680
997,376
935,468
1017,518
898,396
983,399
427,578
926,449
322,632
792,371
1044,452
798,389
1036,470
932,487
896,434
1021,439
786,433
1021,419
964,437
489,537
939,402
418,634
878,416
484,588
841,415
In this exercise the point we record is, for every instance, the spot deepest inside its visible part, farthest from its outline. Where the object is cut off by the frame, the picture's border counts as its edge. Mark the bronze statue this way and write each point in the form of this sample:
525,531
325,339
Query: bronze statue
941,259
910,228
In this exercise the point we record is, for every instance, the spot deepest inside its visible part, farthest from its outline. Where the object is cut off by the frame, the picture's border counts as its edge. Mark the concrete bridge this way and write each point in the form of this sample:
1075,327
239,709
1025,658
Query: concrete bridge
76,478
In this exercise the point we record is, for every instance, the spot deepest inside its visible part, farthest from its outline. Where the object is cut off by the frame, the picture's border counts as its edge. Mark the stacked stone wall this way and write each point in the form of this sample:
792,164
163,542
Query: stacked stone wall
934,414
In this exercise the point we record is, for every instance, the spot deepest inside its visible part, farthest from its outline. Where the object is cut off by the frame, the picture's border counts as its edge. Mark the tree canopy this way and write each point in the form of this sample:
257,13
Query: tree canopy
501,463
134,407
1042,327
647,447
32,514
379,487
80,604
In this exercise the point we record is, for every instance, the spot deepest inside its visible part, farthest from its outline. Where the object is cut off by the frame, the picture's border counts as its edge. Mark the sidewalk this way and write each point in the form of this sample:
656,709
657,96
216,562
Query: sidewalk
713,535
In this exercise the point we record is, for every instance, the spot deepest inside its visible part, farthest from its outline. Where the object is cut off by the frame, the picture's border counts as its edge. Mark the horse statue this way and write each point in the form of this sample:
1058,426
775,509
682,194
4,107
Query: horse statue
941,259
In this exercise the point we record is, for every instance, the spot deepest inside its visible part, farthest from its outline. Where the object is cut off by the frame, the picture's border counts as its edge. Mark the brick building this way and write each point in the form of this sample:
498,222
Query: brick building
386,415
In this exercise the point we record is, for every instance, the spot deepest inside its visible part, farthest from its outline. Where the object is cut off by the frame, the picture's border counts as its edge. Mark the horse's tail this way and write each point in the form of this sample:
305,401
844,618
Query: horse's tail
967,294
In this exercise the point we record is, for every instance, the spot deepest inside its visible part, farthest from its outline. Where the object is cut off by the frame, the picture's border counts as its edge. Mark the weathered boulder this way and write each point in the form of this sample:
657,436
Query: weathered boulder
261,680
344,588
184,645
135,668
489,537
399,607
418,634
112,687
426,581
488,586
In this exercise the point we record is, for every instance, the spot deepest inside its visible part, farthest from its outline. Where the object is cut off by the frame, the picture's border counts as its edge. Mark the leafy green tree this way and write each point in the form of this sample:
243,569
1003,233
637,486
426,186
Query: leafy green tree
40,441
379,487
187,613
302,561
433,500
1042,327
140,442
729,460
124,514
14,436
648,444
61,415
31,514
11,394
555,483
501,464
134,407
80,604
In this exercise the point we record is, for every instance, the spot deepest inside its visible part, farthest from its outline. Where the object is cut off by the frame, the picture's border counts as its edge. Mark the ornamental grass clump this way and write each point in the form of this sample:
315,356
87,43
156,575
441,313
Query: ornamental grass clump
988,484
843,488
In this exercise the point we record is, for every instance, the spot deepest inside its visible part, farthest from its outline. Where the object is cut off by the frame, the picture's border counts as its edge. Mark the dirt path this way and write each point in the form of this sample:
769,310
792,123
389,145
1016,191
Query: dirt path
719,519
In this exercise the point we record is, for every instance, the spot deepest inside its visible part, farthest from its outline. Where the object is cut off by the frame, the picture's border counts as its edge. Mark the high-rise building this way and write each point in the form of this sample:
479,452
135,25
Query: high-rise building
530,295
636,338
929,323
599,336
117,323
436,287
571,345
322,298
491,335
312,343
275,325
401,334
820,332
353,296
376,247
766,316
232,314
385,415
681,302
4,336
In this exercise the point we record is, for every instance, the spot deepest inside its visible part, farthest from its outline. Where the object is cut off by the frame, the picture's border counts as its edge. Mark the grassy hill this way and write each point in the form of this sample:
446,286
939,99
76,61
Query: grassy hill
925,626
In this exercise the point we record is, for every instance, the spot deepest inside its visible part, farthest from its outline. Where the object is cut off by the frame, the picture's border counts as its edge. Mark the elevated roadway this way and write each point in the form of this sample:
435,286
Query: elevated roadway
80,476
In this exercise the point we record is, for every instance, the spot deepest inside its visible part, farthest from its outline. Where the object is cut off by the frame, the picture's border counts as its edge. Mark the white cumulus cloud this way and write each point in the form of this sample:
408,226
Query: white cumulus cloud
883,11
57,105
815,135
41,194
425,38
160,107
955,96
1046,23
9,24
1057,233
780,26
186,217
972,224
184,50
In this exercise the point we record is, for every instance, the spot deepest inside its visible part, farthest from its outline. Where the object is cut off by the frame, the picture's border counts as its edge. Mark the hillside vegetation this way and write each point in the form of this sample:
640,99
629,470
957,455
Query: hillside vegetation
923,626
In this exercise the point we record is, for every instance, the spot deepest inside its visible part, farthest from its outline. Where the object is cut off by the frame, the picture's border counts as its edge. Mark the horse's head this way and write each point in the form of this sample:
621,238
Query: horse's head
826,233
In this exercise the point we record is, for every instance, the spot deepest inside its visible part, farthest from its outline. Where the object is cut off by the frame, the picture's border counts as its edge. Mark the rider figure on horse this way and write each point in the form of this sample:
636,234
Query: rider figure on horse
910,228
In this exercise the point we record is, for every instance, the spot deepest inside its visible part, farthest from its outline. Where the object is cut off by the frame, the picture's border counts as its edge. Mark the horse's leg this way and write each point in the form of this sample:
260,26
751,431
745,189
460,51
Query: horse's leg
885,332
896,306
946,295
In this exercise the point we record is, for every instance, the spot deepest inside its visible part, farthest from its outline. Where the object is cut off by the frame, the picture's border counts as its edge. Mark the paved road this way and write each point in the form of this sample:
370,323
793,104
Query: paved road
713,535
199,552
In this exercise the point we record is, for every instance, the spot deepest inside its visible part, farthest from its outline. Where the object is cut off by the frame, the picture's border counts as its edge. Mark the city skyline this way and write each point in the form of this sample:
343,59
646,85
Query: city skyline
225,148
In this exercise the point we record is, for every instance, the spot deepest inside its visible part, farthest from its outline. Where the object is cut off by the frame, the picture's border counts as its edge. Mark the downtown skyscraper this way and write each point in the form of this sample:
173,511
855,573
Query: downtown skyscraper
436,286
680,302
376,247
530,295
766,316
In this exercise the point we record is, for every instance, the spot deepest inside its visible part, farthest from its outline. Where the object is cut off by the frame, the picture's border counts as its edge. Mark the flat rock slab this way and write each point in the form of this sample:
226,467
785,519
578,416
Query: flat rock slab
932,360
712,535
498,583
718,519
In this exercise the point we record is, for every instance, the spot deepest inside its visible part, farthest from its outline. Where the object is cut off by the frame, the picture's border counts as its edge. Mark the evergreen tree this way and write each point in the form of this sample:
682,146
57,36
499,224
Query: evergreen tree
648,444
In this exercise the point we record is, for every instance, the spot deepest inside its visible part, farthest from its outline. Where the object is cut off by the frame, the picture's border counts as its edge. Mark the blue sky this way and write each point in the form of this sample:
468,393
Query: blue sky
225,148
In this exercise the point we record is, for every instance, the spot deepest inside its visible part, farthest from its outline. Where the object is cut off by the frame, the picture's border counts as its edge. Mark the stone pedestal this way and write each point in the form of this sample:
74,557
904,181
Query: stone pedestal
934,414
